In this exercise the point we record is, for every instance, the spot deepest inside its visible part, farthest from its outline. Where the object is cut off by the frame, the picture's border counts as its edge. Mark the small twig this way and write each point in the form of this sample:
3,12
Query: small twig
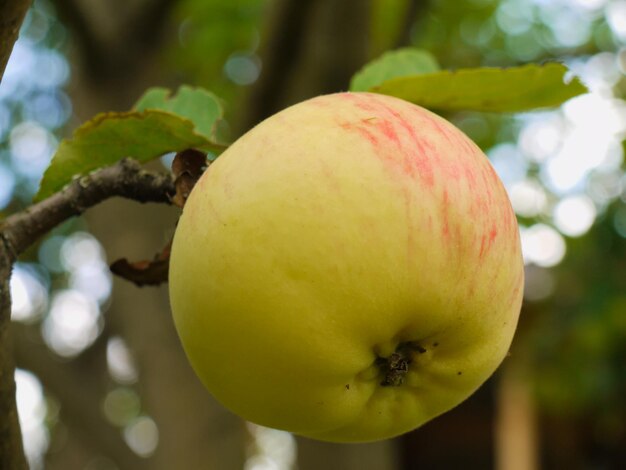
126,179
187,168
145,273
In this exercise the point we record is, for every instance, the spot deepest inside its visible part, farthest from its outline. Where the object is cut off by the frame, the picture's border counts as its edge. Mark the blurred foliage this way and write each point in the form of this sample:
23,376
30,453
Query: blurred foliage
578,336
502,32
210,32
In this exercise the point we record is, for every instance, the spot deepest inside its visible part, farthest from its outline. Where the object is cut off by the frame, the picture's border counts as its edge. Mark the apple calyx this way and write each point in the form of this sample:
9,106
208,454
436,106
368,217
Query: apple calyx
395,367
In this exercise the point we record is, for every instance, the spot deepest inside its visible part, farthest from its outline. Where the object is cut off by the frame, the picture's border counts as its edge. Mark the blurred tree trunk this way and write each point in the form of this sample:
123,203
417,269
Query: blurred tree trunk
460,438
516,426
311,47
194,431
313,455
11,448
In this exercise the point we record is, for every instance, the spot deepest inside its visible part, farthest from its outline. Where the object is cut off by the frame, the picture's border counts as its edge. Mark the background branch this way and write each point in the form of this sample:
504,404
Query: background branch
147,22
415,9
279,57
309,51
91,51
12,14
11,450
113,50
12,456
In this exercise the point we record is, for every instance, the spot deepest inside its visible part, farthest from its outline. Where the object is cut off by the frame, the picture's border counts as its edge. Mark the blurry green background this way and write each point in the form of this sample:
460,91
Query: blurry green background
103,383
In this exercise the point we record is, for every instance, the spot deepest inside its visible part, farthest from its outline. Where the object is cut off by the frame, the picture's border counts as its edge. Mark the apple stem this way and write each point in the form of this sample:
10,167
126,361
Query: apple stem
395,367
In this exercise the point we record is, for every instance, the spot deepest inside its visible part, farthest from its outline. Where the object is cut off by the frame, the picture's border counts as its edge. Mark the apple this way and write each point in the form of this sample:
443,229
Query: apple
347,270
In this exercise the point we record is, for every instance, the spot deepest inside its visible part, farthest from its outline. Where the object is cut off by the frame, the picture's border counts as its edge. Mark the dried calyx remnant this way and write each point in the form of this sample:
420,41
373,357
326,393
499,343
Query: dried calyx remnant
395,367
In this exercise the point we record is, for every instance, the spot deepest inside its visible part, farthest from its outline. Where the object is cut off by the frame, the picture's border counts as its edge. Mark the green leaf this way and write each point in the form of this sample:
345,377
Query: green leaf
398,63
158,125
109,137
201,107
512,89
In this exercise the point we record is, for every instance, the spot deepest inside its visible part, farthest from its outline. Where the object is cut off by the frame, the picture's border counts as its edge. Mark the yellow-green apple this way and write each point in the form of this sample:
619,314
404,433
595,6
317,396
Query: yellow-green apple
347,270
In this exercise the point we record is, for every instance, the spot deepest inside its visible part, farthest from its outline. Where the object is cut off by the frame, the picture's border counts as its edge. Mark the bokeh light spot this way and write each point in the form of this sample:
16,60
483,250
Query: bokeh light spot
271,449
120,361
243,69
542,245
538,283
29,294
31,408
73,322
574,215
528,198
142,436
121,406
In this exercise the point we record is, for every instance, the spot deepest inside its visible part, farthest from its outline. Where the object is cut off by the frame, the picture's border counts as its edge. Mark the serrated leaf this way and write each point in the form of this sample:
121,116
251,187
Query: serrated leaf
109,137
200,106
398,63
512,89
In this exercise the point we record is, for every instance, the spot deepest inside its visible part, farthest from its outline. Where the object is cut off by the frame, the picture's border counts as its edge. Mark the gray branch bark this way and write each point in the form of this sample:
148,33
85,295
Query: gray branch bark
125,179
11,449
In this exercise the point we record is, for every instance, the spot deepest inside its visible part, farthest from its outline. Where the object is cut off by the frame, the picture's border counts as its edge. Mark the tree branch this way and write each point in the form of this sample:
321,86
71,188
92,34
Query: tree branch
19,231
107,56
314,47
91,49
12,14
126,179
148,22
415,9
279,56
11,448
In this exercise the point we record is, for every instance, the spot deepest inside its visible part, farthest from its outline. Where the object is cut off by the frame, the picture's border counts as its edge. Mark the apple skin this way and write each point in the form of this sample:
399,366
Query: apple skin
330,236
